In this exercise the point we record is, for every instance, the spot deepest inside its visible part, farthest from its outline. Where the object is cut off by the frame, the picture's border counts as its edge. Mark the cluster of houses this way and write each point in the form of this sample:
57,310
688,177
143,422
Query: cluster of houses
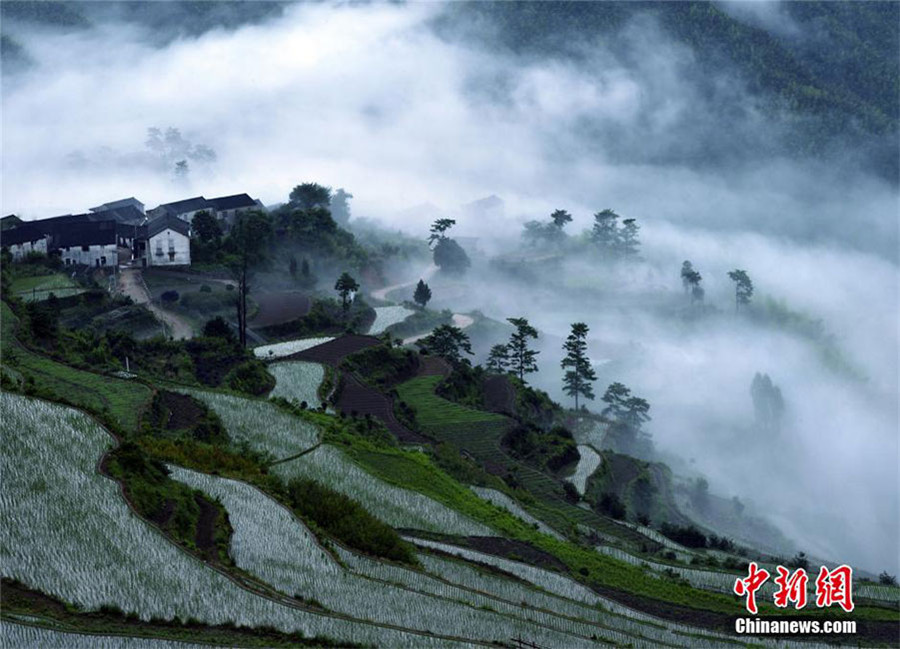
120,232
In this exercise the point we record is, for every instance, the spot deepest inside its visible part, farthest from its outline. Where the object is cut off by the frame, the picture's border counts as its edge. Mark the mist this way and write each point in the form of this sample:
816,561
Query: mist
380,100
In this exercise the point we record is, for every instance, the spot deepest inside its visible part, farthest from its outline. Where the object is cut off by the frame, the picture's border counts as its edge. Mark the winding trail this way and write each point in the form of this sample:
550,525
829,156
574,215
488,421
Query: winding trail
381,293
131,283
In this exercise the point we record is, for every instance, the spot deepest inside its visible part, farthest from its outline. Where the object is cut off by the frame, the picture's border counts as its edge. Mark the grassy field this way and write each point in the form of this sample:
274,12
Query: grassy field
123,400
436,414
39,287
479,433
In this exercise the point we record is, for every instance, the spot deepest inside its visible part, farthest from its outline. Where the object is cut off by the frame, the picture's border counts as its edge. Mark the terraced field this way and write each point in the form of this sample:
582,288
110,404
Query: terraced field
76,539
503,501
385,316
288,348
588,463
271,544
259,424
297,381
394,505
124,400
24,636
479,433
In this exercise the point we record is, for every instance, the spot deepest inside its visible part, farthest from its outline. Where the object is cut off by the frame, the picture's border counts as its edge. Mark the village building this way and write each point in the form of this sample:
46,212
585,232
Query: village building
184,210
24,239
165,241
228,207
130,202
90,243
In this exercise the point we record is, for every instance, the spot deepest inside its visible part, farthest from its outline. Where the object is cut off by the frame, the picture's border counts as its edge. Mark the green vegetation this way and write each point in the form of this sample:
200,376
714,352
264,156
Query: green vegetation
420,321
346,520
117,402
382,366
550,451
182,513
436,414
325,317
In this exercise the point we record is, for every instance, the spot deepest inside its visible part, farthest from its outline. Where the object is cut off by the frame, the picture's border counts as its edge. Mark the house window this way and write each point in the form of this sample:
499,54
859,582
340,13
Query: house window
103,261
85,248
171,255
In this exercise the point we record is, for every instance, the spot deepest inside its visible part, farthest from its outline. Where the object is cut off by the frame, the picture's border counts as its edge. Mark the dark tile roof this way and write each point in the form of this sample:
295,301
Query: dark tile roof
237,201
122,202
24,233
170,221
127,214
187,205
91,233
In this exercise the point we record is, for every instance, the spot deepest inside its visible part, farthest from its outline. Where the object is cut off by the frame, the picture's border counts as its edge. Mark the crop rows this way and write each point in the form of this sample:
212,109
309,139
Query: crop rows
394,505
68,533
588,463
259,424
567,597
297,381
503,501
385,316
277,350
271,544
22,636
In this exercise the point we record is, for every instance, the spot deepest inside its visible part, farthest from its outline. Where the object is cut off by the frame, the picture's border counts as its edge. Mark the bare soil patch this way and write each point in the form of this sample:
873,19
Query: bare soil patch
278,307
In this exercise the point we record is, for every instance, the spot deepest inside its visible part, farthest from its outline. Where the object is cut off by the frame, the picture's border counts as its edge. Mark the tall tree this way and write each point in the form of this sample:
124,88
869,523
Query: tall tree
340,206
498,359
686,269
438,231
560,218
579,373
605,232
206,226
448,342
309,195
422,293
615,397
345,286
743,288
636,412
628,240
450,257
246,251
522,358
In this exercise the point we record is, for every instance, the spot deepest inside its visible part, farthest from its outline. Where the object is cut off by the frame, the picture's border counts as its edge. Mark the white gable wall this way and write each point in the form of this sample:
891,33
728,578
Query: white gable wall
169,248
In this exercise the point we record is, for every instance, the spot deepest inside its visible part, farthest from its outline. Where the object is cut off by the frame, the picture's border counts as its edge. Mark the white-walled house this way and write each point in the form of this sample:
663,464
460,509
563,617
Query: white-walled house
88,244
24,239
168,242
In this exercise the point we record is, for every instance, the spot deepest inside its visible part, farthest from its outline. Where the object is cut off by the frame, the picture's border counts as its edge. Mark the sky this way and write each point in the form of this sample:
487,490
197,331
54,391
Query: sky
371,98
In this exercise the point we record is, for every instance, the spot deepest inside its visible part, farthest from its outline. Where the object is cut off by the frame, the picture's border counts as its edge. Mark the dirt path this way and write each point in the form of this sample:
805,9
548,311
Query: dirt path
460,320
132,284
381,293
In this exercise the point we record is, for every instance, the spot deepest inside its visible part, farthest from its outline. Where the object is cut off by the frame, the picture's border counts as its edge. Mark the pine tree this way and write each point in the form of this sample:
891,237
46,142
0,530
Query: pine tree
628,241
743,288
522,359
422,293
579,373
498,359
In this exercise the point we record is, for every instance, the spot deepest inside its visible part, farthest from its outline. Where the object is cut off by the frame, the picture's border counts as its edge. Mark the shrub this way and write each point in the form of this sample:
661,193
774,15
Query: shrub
346,520
688,536
169,296
205,288
887,580
610,505
218,328
250,377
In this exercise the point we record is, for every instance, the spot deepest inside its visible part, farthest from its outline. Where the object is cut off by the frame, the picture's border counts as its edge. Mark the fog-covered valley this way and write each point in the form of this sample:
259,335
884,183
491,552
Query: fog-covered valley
419,110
